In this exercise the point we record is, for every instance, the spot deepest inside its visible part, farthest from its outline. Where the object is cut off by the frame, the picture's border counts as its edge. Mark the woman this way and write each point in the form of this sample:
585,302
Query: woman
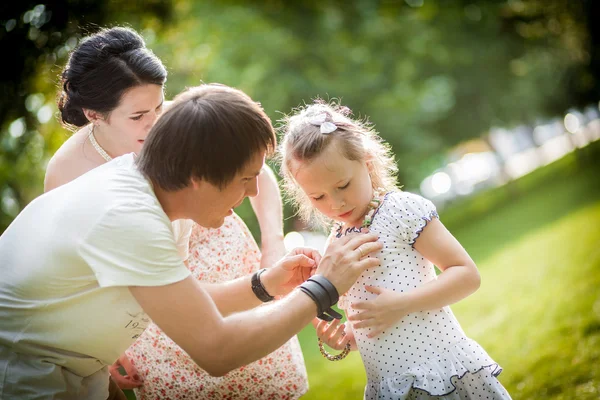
112,90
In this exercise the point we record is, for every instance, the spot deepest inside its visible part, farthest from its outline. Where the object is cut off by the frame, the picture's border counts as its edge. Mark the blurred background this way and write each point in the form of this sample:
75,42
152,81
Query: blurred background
491,108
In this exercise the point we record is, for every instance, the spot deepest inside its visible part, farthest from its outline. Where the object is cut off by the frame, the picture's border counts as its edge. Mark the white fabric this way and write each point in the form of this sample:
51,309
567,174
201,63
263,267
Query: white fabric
424,350
182,230
67,261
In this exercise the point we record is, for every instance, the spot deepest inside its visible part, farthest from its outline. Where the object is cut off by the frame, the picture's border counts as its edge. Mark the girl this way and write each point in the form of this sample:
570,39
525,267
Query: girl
112,92
338,170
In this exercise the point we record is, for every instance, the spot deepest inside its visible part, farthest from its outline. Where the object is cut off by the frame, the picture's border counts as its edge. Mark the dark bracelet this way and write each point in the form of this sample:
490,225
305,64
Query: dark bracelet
324,294
258,288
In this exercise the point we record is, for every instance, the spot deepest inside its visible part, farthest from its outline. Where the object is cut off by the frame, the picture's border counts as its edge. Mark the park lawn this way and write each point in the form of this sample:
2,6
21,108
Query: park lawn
537,312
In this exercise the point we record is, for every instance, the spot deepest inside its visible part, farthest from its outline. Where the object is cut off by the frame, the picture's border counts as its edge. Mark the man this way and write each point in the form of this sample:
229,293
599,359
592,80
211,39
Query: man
86,265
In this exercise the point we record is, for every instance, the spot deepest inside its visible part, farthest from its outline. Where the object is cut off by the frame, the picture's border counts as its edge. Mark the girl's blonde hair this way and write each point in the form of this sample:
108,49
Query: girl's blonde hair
303,141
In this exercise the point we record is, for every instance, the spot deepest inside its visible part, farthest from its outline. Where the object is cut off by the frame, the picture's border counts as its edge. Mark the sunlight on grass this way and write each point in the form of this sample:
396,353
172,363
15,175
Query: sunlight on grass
533,311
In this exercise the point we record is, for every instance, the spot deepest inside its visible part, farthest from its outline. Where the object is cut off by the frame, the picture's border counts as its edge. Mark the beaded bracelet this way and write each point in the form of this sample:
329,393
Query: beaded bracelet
331,357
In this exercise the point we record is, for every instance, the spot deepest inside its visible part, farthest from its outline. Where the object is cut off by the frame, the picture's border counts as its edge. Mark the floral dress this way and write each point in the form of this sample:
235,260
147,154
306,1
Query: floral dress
217,255
426,355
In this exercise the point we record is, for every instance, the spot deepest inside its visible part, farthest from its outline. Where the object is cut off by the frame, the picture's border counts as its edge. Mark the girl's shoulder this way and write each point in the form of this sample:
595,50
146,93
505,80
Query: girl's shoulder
404,214
407,204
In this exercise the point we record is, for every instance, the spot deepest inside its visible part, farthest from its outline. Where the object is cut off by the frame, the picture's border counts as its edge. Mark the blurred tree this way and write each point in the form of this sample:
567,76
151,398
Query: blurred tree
429,74
35,39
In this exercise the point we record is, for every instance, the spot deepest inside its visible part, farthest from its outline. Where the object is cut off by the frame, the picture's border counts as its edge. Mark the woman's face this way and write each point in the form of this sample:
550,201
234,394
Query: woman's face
128,125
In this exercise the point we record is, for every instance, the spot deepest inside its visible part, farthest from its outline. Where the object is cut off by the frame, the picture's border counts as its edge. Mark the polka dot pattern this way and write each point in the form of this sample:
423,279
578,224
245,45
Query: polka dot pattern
426,353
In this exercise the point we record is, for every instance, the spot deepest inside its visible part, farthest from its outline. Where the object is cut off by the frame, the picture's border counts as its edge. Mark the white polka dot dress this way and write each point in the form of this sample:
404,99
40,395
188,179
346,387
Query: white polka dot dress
426,354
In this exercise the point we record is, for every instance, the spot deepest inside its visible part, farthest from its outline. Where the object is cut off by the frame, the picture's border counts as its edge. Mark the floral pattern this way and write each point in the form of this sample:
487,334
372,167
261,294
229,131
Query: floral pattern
217,255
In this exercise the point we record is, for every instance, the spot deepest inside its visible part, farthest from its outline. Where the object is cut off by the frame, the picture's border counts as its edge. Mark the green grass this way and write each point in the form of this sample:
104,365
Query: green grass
537,312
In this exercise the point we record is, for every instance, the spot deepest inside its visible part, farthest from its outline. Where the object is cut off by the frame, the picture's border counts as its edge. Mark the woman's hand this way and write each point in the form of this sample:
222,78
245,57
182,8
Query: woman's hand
381,313
131,379
334,334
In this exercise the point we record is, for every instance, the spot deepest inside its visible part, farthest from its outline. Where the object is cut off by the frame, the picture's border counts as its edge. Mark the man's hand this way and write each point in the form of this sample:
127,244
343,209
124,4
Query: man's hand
131,379
293,269
346,258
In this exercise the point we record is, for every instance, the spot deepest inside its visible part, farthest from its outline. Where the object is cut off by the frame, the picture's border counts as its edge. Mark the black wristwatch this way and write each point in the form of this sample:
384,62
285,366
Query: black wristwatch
258,288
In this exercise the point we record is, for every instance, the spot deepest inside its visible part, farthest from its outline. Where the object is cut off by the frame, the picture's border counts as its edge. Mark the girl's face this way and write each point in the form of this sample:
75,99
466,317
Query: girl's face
128,125
339,188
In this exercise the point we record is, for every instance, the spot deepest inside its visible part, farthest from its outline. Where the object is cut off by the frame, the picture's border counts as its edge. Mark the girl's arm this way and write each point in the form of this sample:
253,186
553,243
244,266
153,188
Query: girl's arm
268,208
459,279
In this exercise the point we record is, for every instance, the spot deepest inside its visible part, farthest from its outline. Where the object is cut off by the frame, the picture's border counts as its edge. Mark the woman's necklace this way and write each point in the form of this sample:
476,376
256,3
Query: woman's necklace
96,146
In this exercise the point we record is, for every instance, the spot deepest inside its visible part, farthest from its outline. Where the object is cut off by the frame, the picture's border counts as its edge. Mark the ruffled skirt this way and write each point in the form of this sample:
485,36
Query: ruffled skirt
464,371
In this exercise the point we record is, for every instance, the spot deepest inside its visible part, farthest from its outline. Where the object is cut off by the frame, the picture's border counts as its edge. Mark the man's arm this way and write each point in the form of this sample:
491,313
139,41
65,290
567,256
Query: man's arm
218,344
186,313
232,296
237,295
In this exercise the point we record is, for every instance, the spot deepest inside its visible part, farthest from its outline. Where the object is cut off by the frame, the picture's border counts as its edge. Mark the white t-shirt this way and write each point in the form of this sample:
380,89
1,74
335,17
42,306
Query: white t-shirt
66,263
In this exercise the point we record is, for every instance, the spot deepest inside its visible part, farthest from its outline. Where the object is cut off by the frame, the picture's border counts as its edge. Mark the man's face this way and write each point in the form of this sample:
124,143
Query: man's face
212,204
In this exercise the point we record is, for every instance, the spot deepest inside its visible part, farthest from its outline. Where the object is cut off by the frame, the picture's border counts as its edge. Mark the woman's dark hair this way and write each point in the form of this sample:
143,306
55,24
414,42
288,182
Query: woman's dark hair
101,69
209,132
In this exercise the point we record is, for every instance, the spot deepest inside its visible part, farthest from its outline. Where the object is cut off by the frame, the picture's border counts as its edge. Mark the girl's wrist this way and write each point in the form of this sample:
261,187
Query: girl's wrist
405,303
271,240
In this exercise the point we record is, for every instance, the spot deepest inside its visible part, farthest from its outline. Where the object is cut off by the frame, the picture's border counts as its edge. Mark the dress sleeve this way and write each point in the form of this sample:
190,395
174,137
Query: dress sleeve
133,245
410,213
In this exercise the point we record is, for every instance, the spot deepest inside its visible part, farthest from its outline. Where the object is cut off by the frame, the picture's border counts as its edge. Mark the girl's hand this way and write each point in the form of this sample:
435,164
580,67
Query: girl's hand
381,313
334,334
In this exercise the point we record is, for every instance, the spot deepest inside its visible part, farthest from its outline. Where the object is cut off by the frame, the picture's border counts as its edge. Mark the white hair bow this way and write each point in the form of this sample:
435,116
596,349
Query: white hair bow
326,127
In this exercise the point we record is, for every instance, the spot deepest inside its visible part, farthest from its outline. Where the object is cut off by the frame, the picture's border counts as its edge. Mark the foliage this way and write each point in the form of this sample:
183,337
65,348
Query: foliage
429,74
38,37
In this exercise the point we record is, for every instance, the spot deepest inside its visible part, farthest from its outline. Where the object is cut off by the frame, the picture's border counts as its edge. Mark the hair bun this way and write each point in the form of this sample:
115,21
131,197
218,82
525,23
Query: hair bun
117,41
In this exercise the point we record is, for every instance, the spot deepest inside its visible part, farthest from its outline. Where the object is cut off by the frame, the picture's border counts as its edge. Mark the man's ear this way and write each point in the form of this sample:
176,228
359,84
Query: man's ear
93,116
195,183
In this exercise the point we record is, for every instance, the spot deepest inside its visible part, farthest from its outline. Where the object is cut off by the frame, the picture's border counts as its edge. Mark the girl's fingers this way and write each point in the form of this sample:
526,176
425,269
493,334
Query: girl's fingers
376,332
361,316
367,323
362,305
328,328
338,333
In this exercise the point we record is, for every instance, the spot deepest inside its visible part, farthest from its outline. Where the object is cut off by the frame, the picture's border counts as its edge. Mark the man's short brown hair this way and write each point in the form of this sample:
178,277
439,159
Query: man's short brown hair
210,132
